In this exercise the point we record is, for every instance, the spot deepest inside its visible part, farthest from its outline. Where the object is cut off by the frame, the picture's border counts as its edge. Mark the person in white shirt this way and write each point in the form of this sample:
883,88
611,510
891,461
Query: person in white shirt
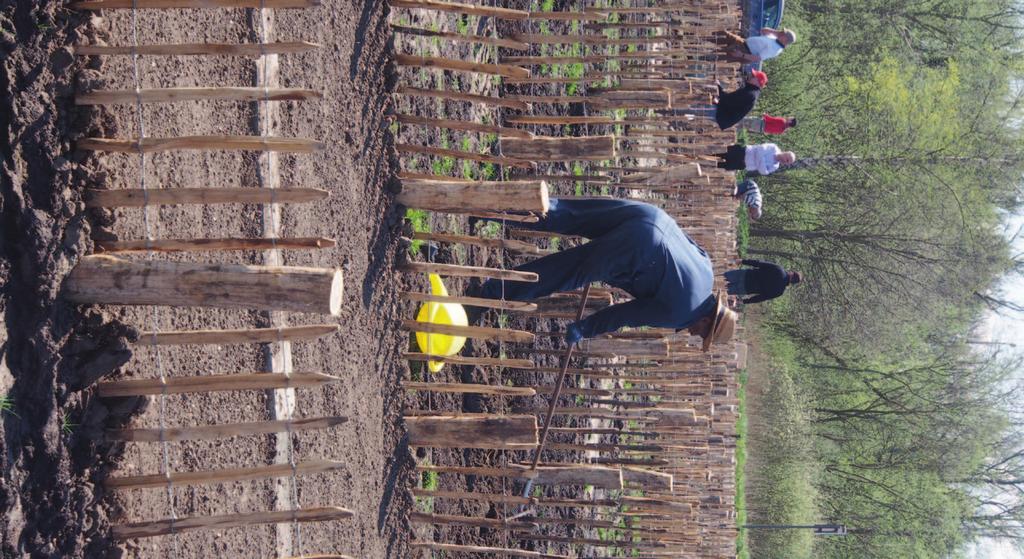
750,193
768,44
763,159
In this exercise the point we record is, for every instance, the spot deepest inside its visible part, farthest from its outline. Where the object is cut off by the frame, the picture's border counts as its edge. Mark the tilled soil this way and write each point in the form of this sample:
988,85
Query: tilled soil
52,495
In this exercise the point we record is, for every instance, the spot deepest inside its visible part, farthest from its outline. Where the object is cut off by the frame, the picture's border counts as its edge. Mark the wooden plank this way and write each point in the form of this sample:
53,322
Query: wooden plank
466,197
465,388
198,245
459,154
242,336
463,125
453,65
516,432
138,198
458,8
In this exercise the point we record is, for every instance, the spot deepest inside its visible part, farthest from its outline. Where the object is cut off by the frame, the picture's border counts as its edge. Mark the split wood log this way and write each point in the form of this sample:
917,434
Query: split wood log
513,432
152,528
102,279
639,99
647,479
517,218
211,383
463,125
471,496
450,519
598,476
501,244
507,70
671,175
459,154
198,245
467,271
595,542
455,7
138,197
520,473
484,550
246,336
518,306
460,38
225,475
155,145
569,16
174,49
649,504
461,388
565,306
209,432
459,96
477,361
474,332
550,149
465,197
180,94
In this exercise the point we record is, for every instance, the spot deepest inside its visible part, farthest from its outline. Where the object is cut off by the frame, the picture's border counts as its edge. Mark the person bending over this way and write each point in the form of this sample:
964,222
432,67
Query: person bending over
764,280
763,159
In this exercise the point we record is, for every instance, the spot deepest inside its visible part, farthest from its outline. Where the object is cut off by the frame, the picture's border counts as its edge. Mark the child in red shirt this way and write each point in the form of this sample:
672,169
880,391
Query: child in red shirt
767,124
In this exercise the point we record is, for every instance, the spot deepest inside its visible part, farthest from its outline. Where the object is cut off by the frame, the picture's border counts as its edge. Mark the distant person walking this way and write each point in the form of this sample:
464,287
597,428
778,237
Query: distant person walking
750,193
764,159
767,124
768,44
764,280
730,108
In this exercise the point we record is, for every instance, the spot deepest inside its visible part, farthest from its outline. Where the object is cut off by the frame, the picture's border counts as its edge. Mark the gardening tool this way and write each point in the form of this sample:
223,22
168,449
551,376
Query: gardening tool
440,313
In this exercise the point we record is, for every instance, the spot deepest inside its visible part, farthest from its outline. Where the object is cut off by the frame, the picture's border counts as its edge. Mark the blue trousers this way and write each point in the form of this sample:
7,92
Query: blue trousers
616,232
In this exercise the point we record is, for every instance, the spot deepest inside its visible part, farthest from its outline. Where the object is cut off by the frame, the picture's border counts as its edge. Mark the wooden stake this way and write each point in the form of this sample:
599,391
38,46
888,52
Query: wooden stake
245,336
467,271
155,145
163,4
458,96
518,306
459,38
559,120
476,361
459,154
492,523
198,245
225,49
474,332
521,473
209,432
138,198
152,528
465,197
598,476
469,388
179,94
221,476
549,149
512,432
102,279
503,244
463,125
485,497
453,65
211,383
468,9
483,550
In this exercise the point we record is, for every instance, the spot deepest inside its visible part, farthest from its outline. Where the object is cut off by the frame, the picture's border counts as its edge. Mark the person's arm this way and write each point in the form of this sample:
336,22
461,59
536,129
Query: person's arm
757,299
635,313
754,263
769,31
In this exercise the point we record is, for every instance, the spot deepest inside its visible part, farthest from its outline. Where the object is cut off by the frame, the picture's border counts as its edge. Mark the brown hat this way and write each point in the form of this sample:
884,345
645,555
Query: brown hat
723,325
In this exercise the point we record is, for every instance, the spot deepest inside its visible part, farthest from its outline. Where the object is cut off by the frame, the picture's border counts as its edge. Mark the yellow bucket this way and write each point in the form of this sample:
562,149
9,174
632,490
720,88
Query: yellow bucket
440,313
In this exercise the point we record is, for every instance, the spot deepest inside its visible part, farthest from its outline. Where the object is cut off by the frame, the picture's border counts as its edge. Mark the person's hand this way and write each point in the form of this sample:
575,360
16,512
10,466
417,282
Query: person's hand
573,334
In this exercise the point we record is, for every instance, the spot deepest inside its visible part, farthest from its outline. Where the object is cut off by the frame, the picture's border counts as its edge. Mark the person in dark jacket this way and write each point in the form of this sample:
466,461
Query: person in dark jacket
764,280
730,108
636,247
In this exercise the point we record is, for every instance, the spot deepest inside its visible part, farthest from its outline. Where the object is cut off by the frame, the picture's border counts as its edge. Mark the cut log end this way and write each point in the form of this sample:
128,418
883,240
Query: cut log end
337,291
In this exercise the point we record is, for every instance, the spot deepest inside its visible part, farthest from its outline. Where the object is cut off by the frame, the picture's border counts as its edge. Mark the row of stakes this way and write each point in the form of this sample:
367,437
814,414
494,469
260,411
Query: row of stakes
91,281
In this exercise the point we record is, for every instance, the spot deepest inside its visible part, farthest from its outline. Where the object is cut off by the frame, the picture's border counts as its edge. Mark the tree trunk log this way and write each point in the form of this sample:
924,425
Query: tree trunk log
101,279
